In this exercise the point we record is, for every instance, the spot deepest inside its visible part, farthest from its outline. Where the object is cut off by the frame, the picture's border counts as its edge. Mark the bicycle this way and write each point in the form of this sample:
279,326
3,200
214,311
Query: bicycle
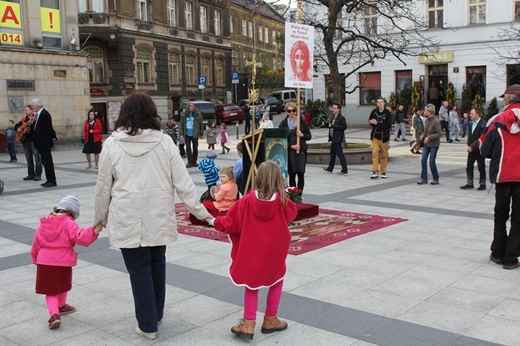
321,120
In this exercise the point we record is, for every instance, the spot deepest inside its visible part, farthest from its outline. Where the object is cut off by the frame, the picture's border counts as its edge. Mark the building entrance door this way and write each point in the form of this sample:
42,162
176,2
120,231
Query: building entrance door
435,85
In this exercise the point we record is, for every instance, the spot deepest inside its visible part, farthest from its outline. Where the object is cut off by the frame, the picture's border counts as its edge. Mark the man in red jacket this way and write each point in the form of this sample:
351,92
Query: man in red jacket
500,142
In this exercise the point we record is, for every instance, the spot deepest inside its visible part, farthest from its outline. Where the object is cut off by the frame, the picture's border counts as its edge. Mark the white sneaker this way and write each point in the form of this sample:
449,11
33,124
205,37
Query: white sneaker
148,335
383,175
374,176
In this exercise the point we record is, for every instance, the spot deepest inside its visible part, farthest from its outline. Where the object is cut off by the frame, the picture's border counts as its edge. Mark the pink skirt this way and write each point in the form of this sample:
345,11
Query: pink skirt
53,280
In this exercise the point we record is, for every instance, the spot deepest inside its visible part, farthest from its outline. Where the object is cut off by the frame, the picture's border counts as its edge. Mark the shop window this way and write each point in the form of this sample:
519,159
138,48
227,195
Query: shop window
370,87
95,64
403,84
476,80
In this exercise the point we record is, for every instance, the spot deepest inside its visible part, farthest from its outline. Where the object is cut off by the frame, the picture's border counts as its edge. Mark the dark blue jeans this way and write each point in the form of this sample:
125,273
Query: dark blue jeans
433,165
32,156
504,246
147,269
192,142
12,152
337,150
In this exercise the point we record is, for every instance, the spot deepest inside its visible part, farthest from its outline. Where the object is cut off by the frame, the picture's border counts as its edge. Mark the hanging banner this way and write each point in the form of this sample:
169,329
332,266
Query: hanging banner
299,48
10,24
50,20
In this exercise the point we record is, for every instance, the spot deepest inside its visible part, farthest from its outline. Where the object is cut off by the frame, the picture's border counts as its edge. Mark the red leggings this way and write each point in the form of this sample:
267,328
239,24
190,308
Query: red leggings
54,302
273,301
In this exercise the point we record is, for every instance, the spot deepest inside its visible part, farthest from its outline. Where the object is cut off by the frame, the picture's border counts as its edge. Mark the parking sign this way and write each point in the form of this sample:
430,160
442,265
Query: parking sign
202,80
234,77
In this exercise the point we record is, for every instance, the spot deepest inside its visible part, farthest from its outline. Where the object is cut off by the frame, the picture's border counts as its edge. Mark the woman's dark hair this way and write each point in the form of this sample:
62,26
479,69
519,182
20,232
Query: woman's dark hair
91,111
137,113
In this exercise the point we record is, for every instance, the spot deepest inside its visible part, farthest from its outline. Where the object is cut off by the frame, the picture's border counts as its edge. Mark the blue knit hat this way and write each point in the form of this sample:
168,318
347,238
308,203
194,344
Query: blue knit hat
211,154
70,203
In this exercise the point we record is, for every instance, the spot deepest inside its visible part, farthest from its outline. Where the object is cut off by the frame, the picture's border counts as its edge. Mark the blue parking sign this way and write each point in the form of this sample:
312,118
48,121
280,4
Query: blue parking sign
202,80
234,77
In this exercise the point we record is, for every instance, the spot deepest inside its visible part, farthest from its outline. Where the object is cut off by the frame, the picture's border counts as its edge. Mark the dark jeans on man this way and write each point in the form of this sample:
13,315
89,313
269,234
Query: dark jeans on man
432,152
507,247
32,156
337,150
147,269
12,152
247,127
445,125
192,155
48,165
481,163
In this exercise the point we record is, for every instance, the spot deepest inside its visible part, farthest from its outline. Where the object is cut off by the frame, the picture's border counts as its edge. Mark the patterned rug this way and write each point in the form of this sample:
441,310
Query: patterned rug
328,227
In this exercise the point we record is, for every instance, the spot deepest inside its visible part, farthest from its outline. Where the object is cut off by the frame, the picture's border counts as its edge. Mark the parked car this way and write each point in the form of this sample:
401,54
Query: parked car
284,95
242,102
206,109
276,106
228,112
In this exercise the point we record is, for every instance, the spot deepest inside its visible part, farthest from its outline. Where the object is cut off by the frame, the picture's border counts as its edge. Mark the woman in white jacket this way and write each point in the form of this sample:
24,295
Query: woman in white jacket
140,170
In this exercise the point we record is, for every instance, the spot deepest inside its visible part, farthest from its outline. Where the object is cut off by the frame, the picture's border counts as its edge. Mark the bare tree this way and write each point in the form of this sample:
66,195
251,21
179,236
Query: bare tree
507,52
359,32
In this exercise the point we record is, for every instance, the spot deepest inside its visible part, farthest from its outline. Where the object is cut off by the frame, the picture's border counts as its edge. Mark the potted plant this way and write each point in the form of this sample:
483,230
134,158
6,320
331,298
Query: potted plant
492,109
466,99
451,94
391,101
415,97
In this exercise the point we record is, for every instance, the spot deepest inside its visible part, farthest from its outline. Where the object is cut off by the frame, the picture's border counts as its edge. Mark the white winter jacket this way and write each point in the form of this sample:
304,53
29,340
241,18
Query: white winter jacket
137,179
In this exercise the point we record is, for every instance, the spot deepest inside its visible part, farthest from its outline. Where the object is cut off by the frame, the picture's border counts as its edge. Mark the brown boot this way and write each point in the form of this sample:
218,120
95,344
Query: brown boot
273,324
245,329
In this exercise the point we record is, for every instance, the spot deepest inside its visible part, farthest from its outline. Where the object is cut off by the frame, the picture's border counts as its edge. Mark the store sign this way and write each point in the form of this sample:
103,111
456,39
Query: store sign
442,56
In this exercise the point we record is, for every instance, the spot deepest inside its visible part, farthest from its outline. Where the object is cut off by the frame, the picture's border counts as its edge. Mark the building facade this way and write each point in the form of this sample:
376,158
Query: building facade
256,27
39,59
471,52
174,50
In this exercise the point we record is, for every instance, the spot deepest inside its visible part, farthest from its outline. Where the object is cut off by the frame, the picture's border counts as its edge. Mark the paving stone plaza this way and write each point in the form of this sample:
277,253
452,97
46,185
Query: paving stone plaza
425,281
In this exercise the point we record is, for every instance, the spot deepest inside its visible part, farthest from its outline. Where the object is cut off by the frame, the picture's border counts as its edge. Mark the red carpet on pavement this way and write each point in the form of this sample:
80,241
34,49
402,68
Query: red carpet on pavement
329,227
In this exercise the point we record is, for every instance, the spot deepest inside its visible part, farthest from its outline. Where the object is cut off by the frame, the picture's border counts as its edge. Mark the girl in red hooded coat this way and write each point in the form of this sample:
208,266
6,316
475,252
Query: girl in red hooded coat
53,253
257,225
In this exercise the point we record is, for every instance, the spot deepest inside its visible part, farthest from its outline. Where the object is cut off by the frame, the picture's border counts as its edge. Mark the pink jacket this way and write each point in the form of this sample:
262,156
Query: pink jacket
55,238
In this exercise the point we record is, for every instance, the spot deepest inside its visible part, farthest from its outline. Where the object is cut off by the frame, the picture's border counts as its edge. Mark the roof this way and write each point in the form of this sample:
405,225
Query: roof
261,7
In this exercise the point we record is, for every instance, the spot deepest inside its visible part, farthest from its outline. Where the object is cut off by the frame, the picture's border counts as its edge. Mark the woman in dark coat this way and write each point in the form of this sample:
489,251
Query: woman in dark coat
297,154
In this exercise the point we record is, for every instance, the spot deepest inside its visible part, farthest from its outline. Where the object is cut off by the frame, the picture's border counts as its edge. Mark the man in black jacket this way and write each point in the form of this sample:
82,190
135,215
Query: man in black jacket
246,112
476,127
381,121
44,137
337,127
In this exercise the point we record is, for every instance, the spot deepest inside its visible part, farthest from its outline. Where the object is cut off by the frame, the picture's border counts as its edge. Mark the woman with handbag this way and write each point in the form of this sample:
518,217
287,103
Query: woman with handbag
417,130
93,138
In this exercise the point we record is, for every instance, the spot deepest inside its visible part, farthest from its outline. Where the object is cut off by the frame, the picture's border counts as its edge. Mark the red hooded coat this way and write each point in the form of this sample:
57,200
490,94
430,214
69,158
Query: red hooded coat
260,238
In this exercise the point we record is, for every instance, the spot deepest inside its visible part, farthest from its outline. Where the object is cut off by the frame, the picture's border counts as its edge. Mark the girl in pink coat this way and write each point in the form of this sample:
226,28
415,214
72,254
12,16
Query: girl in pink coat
53,253
257,225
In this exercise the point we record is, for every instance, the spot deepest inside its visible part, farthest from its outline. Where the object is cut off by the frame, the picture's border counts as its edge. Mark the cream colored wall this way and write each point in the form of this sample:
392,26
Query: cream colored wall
66,98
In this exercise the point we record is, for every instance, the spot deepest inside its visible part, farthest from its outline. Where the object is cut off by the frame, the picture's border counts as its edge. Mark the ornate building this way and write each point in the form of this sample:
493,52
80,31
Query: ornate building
256,27
39,59
175,50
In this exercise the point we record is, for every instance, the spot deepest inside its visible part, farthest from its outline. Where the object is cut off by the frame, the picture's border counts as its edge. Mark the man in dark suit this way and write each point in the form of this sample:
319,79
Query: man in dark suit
475,128
337,127
44,137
